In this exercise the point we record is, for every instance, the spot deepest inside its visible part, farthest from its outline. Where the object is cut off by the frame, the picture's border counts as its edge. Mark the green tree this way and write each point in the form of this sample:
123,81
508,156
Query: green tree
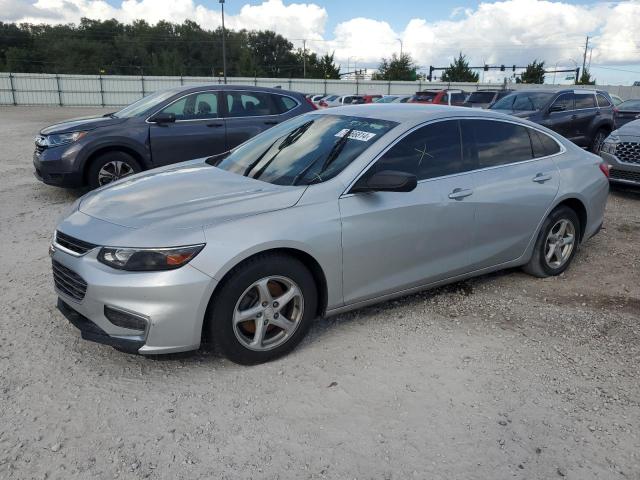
459,71
585,78
396,68
534,73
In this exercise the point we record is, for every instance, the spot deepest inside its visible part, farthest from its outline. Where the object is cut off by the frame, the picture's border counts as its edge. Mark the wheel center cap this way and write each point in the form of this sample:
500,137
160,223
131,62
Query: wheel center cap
268,313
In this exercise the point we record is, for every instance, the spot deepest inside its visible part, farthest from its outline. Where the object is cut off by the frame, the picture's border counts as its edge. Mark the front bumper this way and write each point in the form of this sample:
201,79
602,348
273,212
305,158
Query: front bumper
621,172
173,302
59,166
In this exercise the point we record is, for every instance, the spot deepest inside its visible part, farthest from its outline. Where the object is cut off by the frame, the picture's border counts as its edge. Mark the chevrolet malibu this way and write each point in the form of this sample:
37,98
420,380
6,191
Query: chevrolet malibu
330,211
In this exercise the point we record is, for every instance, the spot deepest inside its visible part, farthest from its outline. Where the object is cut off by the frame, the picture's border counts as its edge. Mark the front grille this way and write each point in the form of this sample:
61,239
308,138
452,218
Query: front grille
68,282
78,246
628,152
624,175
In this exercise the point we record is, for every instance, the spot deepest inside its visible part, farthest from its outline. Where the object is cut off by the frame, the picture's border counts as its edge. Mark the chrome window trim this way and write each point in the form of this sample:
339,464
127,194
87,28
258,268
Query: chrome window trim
346,193
219,117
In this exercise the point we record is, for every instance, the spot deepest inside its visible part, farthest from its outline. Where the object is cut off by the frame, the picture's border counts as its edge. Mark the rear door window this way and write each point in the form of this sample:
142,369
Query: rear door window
495,143
250,104
430,151
583,100
603,101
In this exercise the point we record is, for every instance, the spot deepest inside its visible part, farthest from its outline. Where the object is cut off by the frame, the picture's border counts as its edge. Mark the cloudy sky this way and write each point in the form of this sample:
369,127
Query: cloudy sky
362,31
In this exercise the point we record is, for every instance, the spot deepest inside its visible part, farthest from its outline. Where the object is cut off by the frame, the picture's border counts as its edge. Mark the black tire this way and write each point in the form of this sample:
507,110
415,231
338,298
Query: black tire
220,313
598,140
538,266
128,162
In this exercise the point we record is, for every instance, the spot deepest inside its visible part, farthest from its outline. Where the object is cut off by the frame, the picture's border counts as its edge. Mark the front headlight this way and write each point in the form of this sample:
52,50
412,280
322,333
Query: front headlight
58,139
148,259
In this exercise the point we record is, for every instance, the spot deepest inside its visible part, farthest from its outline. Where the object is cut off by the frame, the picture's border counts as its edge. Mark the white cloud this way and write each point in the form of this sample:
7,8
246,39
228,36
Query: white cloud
509,32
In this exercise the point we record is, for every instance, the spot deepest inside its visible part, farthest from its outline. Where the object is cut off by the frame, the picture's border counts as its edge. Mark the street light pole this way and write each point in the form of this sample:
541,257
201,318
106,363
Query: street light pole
224,48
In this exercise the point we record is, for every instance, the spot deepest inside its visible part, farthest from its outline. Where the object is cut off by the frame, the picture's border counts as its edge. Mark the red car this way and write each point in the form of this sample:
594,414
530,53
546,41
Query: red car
440,97
371,98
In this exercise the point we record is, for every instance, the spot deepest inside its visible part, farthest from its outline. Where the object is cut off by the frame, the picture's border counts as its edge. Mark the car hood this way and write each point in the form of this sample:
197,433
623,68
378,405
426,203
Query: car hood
83,123
631,129
186,195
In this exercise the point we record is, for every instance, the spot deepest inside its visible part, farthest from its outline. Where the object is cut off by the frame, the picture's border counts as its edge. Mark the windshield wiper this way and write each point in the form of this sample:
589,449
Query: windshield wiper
333,154
214,160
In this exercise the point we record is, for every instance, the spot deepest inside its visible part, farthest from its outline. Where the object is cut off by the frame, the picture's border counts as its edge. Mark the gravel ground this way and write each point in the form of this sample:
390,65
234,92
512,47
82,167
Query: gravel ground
504,376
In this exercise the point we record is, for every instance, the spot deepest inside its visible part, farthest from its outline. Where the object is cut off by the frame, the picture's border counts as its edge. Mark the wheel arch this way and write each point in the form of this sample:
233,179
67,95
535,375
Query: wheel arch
144,164
304,257
579,207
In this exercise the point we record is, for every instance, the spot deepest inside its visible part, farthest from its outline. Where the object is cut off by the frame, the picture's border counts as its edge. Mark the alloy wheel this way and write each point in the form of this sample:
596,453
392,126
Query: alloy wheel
268,313
559,243
112,171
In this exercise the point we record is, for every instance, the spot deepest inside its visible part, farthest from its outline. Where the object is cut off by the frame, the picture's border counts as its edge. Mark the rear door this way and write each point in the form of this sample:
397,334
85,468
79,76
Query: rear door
515,184
586,113
248,113
397,240
198,131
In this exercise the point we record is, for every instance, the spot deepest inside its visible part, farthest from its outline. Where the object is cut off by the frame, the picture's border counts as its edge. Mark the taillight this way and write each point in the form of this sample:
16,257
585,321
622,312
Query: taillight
615,111
604,168
313,105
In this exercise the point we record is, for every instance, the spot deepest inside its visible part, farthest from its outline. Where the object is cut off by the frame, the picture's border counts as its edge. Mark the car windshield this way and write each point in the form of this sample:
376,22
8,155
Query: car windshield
139,108
633,105
307,149
481,97
523,101
387,99
424,96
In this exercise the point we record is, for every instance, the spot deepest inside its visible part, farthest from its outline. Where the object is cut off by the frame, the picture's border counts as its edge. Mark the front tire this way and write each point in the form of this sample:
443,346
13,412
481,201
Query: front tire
556,245
111,166
263,310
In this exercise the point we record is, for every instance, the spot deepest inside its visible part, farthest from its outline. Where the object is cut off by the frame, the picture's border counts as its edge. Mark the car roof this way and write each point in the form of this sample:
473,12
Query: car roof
409,114
222,86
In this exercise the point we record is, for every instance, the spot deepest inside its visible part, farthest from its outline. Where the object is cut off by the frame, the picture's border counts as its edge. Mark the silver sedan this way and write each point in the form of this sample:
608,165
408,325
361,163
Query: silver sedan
327,212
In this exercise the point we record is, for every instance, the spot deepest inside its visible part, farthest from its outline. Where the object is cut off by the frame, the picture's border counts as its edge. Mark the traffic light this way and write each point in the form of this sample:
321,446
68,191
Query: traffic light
430,73
514,68
486,67
502,68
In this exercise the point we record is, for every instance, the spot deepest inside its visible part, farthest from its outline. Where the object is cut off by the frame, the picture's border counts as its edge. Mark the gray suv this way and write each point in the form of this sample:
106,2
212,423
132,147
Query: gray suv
165,127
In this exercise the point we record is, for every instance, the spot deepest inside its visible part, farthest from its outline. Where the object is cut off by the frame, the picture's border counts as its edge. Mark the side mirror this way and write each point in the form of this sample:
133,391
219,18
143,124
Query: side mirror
386,181
163,118
557,108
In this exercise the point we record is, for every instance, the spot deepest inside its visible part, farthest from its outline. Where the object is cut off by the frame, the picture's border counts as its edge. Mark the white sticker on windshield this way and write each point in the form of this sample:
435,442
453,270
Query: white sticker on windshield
356,135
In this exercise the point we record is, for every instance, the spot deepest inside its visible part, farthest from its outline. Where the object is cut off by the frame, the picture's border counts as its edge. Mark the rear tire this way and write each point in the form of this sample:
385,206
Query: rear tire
554,251
111,166
246,322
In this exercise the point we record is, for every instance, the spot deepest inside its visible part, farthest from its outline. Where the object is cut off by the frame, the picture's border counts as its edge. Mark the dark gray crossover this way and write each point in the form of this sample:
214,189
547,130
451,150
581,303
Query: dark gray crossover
166,127
621,150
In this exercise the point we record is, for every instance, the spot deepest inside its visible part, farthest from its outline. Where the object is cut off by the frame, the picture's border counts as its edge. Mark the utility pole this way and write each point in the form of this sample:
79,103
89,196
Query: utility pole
584,57
400,40
304,59
224,48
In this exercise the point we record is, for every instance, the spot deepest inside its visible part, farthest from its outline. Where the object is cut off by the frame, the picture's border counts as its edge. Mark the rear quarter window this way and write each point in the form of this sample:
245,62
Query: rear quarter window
603,101
543,145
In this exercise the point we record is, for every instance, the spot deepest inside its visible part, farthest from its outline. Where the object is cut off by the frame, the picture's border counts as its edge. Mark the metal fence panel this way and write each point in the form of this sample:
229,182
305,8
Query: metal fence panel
120,90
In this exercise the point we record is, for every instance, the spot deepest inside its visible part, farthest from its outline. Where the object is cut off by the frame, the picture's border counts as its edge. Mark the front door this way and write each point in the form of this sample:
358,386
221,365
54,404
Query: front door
199,131
561,116
394,241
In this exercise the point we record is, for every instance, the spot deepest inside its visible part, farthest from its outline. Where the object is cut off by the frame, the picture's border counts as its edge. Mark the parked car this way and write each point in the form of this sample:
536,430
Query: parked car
339,101
356,100
371,98
485,98
248,247
583,116
621,151
626,112
165,127
616,100
440,97
316,98
324,101
394,99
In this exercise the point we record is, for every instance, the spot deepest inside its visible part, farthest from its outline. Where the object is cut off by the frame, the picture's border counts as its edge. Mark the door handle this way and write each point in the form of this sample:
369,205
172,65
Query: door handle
460,193
215,125
270,122
541,177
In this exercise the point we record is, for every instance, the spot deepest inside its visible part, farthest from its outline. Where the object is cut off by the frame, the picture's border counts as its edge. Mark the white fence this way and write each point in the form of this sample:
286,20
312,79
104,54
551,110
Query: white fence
118,90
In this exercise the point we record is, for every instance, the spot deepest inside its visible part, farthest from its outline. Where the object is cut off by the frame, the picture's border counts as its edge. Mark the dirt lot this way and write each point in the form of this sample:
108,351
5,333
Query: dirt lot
505,376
